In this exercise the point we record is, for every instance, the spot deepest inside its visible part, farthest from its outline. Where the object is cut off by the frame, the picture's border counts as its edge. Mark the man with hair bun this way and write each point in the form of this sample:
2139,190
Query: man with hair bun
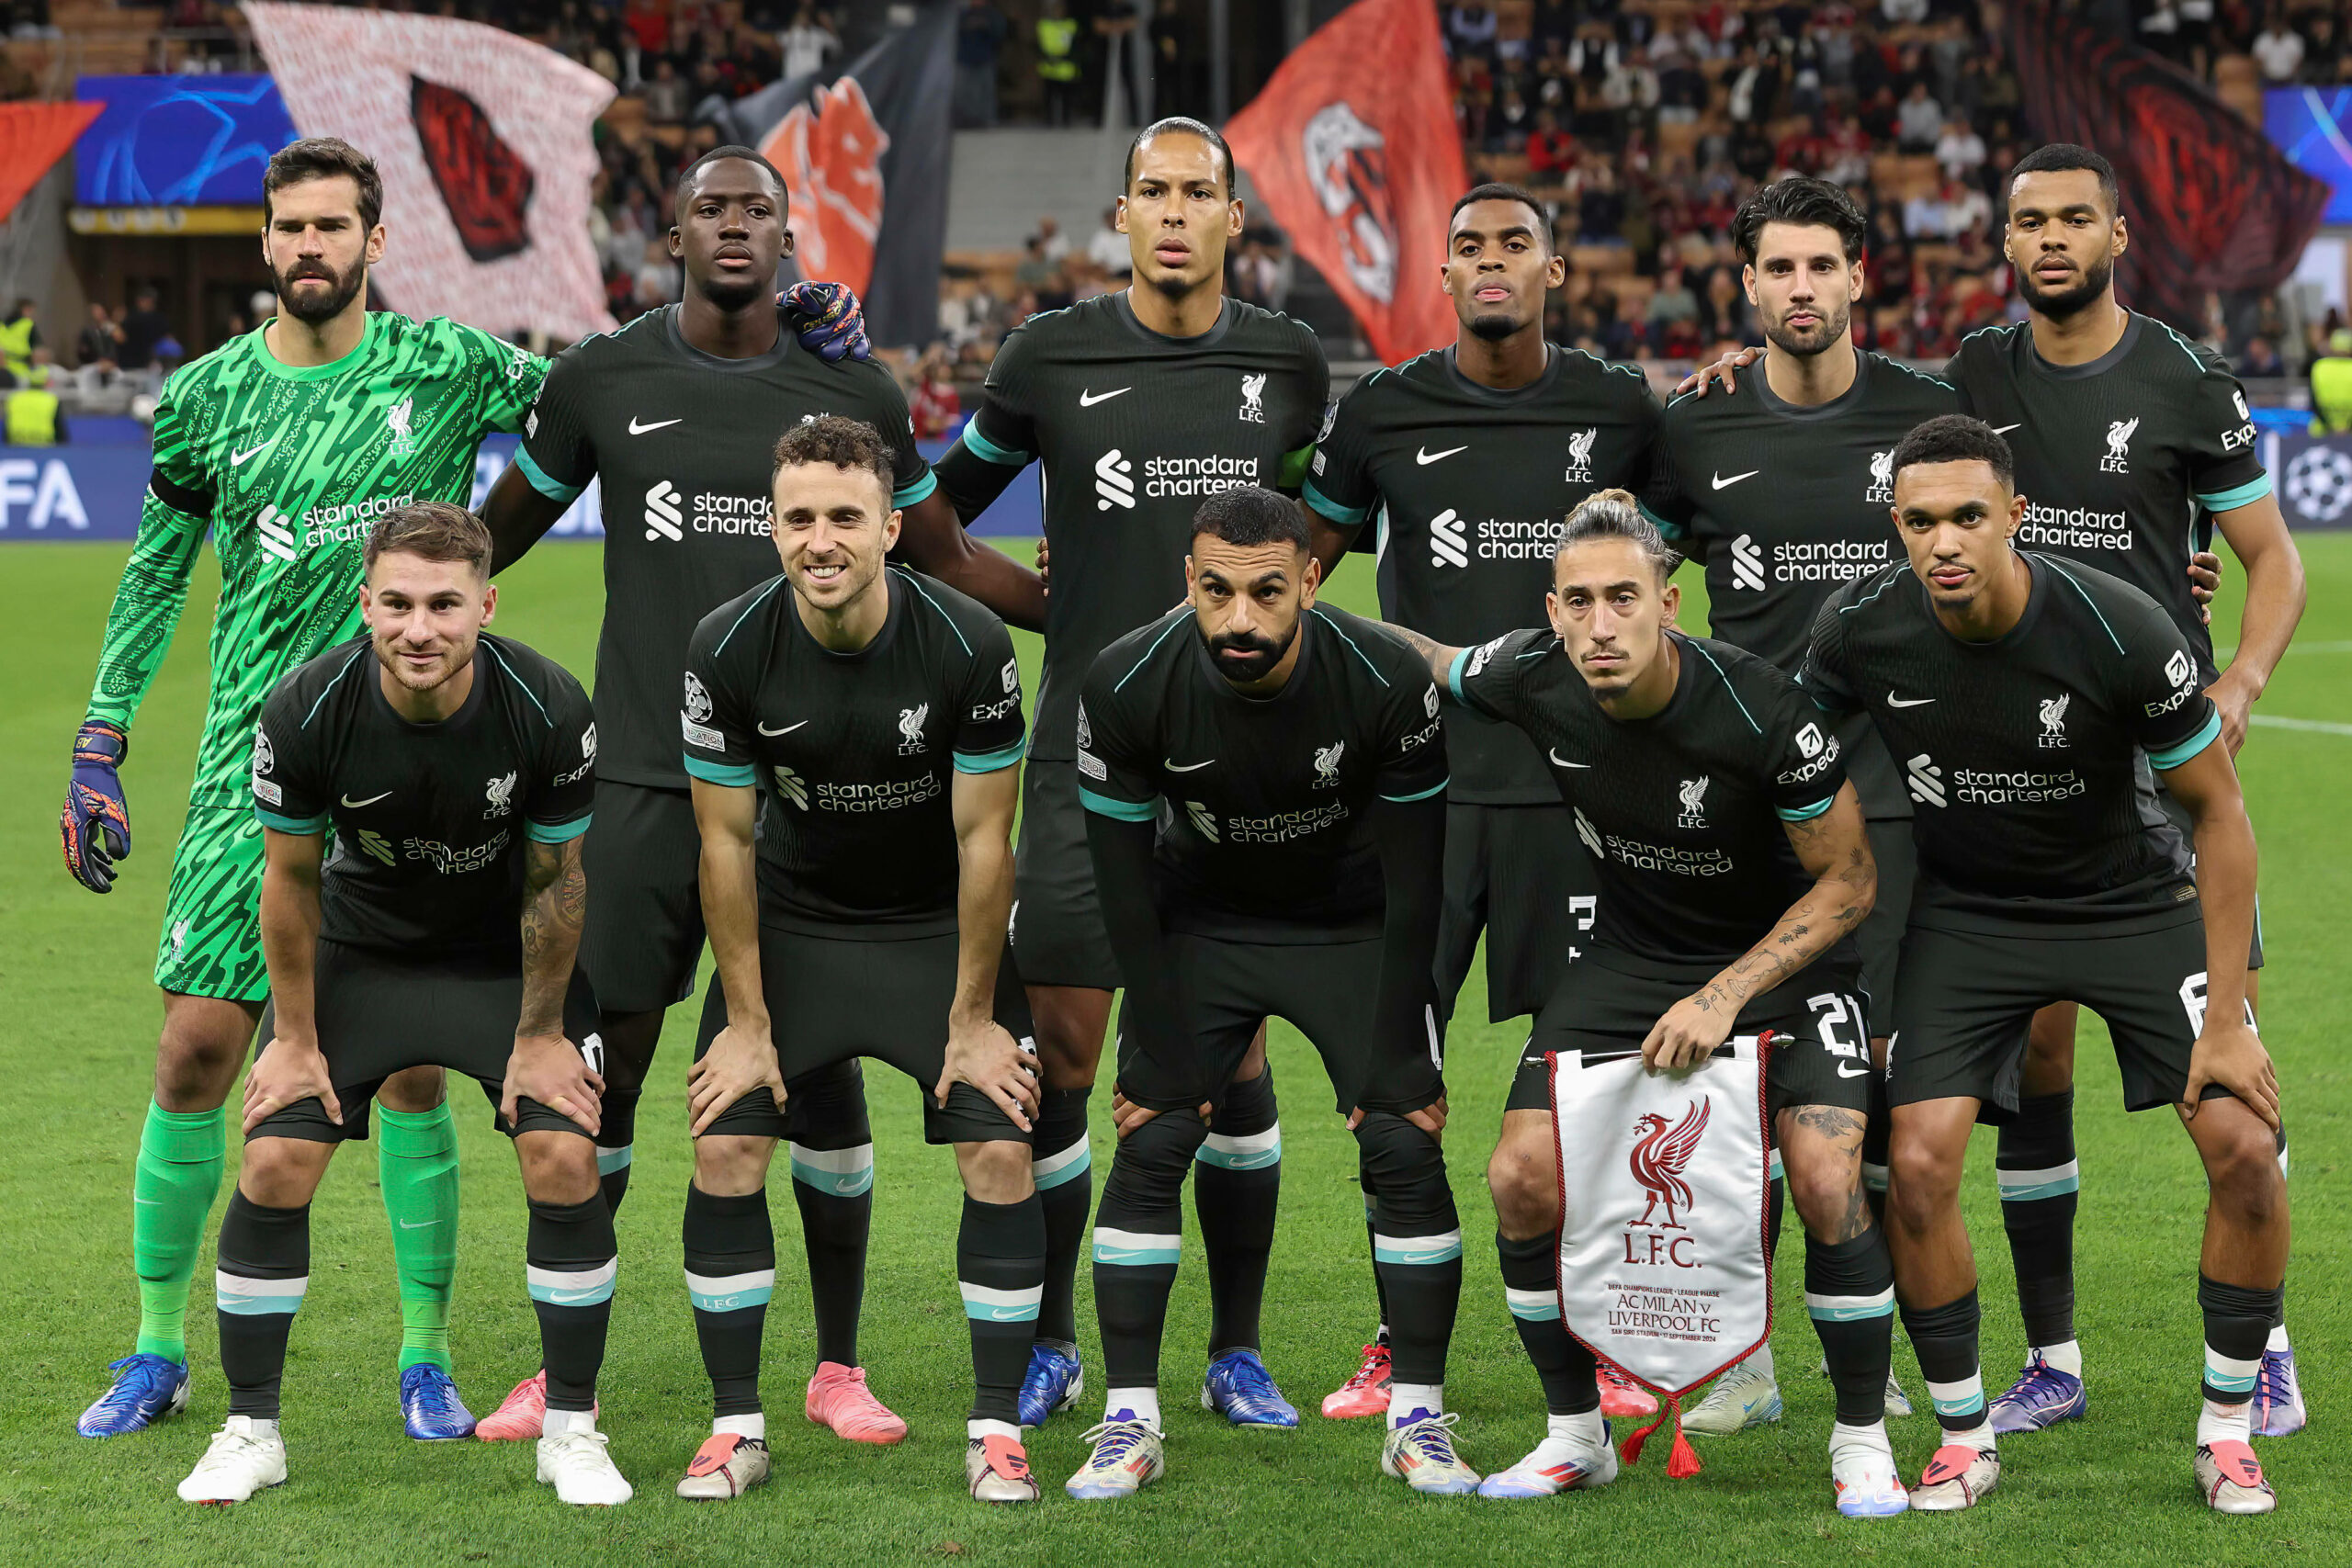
1671,750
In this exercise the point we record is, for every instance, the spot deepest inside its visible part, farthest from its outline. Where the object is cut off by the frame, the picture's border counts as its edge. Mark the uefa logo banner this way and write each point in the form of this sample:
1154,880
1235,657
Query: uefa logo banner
1663,1180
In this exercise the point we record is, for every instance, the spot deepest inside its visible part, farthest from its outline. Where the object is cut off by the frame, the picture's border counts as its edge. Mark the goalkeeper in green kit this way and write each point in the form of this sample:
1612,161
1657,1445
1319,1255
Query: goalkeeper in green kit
286,444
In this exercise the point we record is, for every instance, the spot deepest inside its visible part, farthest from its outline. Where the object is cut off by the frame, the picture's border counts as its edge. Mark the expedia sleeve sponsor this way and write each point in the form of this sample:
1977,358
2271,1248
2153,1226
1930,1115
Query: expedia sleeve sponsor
562,798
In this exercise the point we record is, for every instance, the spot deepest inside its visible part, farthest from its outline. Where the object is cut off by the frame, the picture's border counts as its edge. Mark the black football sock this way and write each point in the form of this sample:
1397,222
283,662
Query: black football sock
1877,1131
1849,1292
615,1134
264,1266
832,1146
1531,1286
2237,1327
1138,1236
1063,1166
572,1263
2034,1163
1945,1340
1417,1249
1372,1247
1000,1270
1776,1194
730,1277
1237,1186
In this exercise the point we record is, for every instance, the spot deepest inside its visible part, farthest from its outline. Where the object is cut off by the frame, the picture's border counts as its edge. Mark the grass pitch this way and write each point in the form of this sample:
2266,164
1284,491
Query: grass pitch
77,1024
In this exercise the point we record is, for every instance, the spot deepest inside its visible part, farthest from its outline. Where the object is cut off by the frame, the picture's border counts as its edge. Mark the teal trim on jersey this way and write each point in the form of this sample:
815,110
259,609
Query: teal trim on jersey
942,614
2182,342
757,599
735,777
1805,813
1728,687
1119,810
1318,612
553,488
291,824
1668,529
917,492
2173,756
1147,652
1437,788
357,654
988,451
555,833
519,685
991,761
1453,674
1346,516
2077,584
2246,494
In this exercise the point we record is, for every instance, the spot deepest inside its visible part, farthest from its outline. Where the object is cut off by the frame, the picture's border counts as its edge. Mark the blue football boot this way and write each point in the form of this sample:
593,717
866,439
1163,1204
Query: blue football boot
1239,1388
1052,1385
429,1404
146,1389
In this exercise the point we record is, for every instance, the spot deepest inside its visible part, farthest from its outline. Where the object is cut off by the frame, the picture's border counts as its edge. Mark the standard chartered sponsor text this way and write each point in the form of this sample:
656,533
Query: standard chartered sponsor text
1197,475
350,521
1829,560
1980,787
2074,528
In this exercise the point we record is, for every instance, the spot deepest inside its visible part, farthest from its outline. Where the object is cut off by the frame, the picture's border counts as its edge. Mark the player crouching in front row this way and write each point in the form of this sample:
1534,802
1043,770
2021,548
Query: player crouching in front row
879,713
456,771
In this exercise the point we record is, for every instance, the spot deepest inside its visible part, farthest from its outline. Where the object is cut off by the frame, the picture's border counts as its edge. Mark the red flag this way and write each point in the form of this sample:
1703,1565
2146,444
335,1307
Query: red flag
33,137
2211,203
1353,149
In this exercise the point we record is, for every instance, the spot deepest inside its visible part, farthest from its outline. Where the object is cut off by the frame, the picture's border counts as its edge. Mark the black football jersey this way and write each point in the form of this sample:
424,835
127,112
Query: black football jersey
856,753
681,442
1785,504
2021,754
1682,811
2122,461
1131,430
1262,802
429,819
1469,487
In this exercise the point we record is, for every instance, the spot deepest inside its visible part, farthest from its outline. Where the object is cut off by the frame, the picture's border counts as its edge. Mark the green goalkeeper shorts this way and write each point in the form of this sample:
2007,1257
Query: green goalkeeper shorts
212,940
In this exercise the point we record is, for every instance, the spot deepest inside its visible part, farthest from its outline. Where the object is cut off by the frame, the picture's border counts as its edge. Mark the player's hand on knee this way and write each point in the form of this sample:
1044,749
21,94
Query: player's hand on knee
982,1053
1724,372
551,1070
286,1072
1687,1035
1044,576
738,1061
94,828
2232,1054
1126,1115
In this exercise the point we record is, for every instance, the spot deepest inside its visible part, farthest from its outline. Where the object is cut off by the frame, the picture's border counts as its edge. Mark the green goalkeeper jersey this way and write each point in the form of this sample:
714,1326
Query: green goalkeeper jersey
288,467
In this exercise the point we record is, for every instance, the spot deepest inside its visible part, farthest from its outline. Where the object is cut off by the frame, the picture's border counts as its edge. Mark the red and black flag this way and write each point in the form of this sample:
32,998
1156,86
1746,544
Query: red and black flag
2212,204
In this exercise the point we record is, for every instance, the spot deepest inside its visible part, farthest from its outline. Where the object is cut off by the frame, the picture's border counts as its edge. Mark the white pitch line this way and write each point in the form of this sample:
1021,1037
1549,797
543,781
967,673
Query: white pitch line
2312,726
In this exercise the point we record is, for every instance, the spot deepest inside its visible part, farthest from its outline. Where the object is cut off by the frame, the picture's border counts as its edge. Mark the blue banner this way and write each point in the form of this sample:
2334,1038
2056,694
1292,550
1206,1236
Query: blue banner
93,493
177,140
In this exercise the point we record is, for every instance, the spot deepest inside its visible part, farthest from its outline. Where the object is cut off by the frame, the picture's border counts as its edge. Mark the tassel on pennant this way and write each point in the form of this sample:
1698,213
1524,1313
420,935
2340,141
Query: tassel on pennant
1629,1451
1682,1462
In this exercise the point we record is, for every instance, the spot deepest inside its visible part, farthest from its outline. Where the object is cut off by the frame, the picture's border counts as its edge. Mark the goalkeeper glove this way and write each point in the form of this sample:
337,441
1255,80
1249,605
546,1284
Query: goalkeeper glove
828,319
95,825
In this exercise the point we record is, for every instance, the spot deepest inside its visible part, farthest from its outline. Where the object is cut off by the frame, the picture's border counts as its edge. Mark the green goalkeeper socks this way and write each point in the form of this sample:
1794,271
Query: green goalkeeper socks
180,1157
416,1160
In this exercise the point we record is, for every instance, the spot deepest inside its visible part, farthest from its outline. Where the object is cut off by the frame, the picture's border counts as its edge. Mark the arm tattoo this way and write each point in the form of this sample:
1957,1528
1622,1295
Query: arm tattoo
555,905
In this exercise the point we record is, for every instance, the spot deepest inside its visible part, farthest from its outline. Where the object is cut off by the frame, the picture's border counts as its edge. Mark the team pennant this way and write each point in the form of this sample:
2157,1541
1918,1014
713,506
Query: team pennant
1663,1183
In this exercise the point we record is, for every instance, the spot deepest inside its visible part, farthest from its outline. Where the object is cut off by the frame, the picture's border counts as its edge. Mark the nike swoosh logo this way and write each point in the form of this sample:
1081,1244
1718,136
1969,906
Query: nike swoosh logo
786,730
1894,702
1846,1072
418,1225
2005,428
637,429
1723,483
1088,400
1186,768
1425,457
237,459
571,1298
352,805
1013,1315
1560,761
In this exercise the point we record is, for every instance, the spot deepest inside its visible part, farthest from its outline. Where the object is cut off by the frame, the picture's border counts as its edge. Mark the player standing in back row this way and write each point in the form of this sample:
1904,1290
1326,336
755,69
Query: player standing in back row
2132,444
1465,459
1135,405
676,414
286,445
1783,492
